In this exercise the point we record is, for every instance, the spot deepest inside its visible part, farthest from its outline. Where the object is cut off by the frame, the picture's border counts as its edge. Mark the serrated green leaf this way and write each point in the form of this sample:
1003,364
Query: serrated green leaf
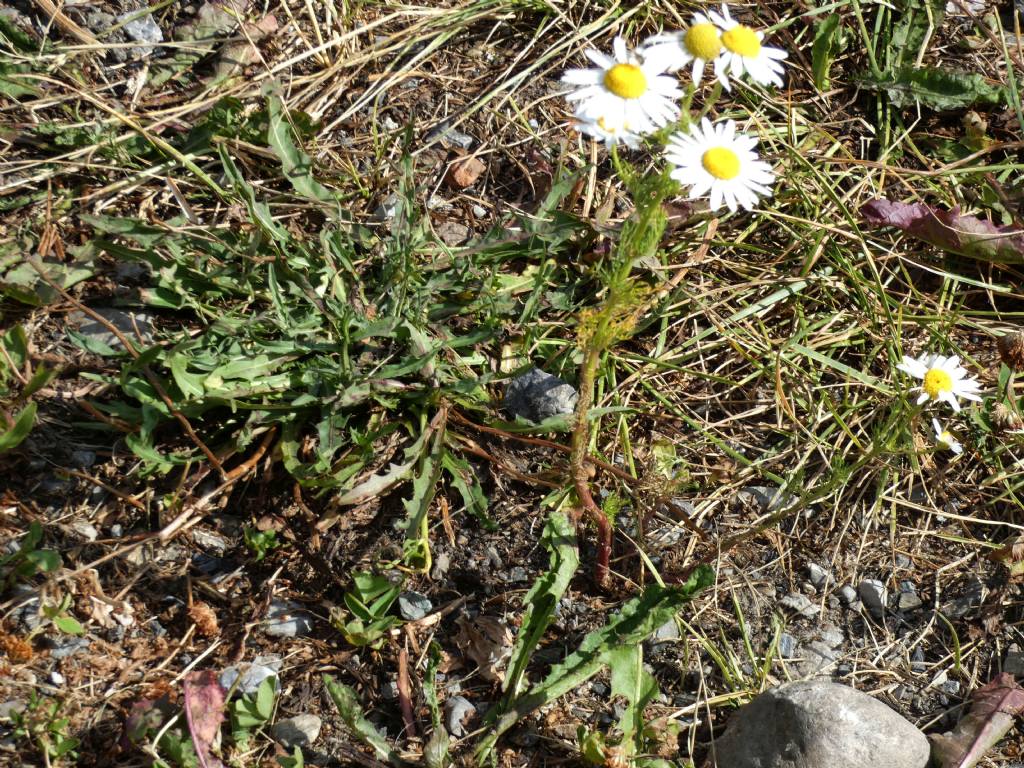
468,485
347,702
295,164
559,538
11,437
826,47
938,88
15,81
416,550
634,623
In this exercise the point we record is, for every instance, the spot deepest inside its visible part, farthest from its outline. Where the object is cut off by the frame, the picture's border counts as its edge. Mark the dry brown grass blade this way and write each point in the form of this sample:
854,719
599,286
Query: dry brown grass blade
58,17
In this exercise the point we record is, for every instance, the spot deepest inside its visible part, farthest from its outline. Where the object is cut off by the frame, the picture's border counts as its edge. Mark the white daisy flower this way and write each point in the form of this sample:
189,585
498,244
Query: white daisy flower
606,131
942,378
743,52
624,90
700,44
945,439
715,159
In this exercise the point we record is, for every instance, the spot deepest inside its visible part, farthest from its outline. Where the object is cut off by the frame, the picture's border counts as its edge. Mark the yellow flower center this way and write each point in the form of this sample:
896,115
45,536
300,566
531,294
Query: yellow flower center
946,439
721,162
702,41
936,382
627,81
742,40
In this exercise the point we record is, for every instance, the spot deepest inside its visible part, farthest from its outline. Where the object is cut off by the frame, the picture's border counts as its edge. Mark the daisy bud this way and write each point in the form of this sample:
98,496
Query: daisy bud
1005,418
1011,349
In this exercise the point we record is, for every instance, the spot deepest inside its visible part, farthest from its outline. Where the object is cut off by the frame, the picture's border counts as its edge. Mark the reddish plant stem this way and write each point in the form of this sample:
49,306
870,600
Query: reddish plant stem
578,463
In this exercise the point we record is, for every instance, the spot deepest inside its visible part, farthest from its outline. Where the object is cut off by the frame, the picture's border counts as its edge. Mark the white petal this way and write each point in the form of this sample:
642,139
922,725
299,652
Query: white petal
619,47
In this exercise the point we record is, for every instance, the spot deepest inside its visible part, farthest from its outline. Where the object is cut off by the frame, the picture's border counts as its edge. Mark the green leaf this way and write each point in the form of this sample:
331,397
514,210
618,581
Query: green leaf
938,88
631,680
40,378
19,430
44,560
265,699
634,623
68,625
296,164
435,753
347,702
826,47
416,550
15,344
13,81
469,488
914,29
559,538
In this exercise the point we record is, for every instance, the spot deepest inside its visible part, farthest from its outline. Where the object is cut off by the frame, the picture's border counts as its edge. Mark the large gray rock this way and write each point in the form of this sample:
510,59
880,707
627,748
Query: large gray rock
819,724
537,395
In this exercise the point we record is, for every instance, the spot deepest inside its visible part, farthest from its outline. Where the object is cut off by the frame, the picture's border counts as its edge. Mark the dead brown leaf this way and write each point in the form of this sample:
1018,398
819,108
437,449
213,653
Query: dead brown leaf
487,642
205,619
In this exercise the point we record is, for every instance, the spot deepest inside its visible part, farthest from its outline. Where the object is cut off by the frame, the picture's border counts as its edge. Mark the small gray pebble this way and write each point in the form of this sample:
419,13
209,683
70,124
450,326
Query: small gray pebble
10,707
832,637
874,596
666,632
493,557
298,731
56,678
458,712
83,459
65,647
479,211
519,574
252,674
136,326
818,576
286,618
909,601
800,604
1014,661
787,645
952,687
847,595
413,606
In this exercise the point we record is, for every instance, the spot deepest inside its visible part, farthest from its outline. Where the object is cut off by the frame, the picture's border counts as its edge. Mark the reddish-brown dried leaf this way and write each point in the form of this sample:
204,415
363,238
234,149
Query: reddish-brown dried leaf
993,709
204,710
949,230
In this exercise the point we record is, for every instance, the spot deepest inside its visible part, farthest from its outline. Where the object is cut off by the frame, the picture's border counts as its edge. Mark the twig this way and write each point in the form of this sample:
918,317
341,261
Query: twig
405,693
58,17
